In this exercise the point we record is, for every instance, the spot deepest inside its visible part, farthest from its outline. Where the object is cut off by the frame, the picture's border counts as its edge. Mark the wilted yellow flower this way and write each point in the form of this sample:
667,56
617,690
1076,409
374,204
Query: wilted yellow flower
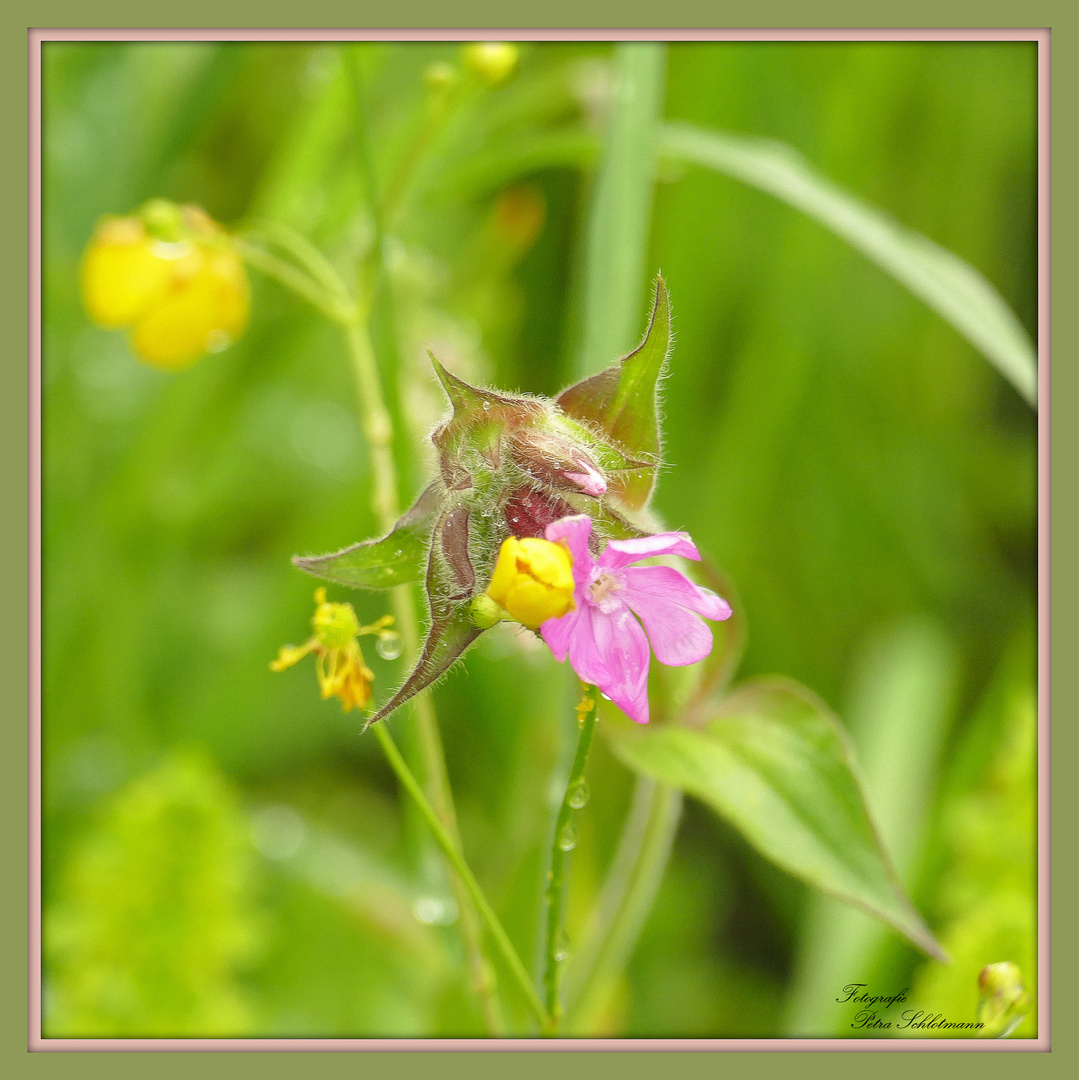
172,276
533,580
339,663
493,61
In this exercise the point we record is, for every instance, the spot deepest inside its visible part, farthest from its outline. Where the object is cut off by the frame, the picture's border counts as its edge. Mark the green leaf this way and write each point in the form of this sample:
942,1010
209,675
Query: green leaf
951,287
774,761
622,402
452,629
396,559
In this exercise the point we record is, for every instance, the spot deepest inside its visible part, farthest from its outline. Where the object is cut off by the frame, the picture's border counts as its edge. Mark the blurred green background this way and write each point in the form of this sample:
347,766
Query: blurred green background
223,854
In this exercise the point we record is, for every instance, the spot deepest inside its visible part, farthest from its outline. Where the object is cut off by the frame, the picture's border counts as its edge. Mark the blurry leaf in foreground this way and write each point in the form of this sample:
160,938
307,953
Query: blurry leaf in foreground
775,762
154,917
951,287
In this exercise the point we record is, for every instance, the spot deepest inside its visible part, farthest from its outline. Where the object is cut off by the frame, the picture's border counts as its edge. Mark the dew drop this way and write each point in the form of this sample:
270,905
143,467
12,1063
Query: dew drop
561,946
435,911
604,696
567,838
388,645
486,405
578,794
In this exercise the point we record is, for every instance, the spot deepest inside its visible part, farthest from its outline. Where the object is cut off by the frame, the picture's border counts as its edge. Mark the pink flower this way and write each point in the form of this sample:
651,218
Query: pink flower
605,643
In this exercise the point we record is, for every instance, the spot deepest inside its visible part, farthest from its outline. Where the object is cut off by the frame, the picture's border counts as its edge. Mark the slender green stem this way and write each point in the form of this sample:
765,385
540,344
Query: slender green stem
378,430
305,253
643,860
456,860
586,712
299,281
377,426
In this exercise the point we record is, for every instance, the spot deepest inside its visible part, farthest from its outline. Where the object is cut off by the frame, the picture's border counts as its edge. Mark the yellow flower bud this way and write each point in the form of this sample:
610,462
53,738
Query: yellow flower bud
533,580
493,61
1003,1002
172,276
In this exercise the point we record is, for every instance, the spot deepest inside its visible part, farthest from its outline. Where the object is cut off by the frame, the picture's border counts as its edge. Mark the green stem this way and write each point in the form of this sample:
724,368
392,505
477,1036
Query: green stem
456,860
306,254
377,427
299,281
378,430
555,879
627,898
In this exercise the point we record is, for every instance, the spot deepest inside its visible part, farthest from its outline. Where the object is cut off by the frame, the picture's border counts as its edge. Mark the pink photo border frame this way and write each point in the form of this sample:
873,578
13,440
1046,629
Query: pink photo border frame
36,38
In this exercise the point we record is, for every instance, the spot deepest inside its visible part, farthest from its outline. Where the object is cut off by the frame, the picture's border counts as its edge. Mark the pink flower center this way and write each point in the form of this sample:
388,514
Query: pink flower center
601,588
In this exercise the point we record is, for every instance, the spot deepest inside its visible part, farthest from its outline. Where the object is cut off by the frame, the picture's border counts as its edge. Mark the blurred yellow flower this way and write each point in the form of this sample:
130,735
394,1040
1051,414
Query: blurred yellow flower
493,61
533,580
172,276
340,667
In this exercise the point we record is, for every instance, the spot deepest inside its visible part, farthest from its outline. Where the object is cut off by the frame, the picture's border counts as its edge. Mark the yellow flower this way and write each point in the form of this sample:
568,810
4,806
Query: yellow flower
493,61
339,663
172,276
533,580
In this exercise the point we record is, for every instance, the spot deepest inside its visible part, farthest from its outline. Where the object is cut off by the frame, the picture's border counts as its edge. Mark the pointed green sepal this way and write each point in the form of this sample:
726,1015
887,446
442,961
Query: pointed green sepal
396,559
452,627
464,397
622,403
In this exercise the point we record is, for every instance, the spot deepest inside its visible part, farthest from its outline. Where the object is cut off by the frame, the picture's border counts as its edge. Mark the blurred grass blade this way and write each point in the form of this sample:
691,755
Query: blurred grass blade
775,762
618,228
899,713
951,287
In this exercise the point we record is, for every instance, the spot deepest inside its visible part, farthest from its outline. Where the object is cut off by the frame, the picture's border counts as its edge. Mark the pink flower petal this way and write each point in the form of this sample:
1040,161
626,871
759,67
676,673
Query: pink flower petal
589,653
668,604
621,553
622,644
558,633
575,531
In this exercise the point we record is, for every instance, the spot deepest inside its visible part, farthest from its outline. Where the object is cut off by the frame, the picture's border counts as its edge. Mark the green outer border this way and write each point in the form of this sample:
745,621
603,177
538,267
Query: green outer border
1060,15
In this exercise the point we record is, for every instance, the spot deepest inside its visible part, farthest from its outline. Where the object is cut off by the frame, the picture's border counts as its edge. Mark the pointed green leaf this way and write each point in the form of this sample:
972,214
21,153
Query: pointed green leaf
396,559
452,629
773,760
622,401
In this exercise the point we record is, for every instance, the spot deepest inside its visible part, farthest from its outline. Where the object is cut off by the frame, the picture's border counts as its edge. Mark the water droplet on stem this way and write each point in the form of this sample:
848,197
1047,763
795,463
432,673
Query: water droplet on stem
578,794
567,838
